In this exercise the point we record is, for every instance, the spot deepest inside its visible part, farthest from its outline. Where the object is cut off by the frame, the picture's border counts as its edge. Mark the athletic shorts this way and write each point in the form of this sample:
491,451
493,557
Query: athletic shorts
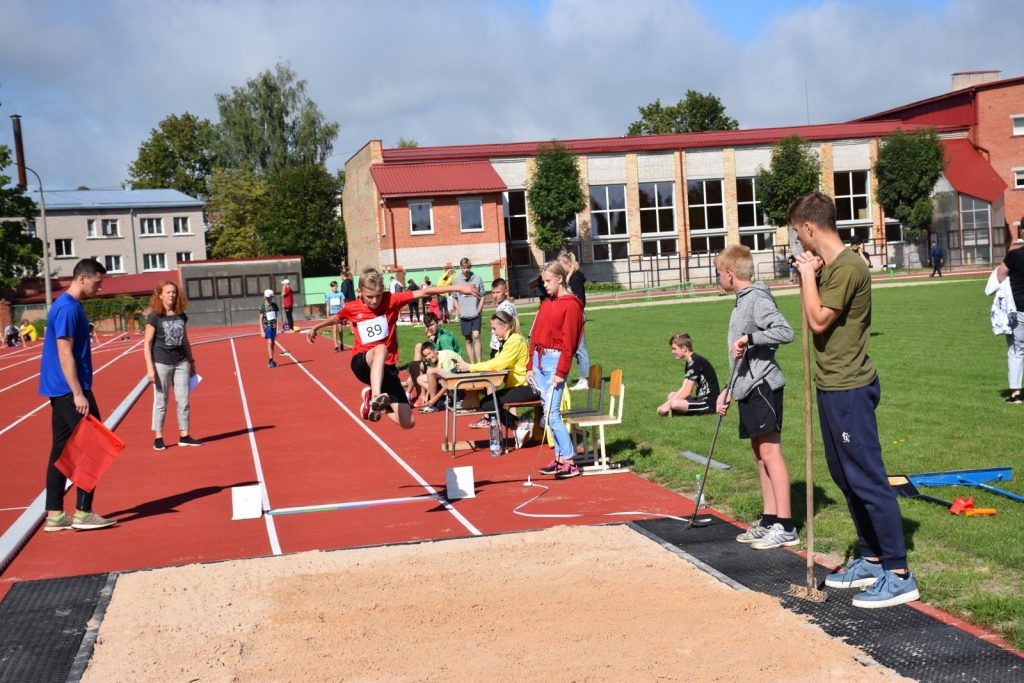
760,412
390,383
469,326
270,333
699,406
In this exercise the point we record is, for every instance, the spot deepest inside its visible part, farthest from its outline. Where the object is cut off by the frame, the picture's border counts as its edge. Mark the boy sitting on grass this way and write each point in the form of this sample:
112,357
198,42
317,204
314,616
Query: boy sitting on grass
699,390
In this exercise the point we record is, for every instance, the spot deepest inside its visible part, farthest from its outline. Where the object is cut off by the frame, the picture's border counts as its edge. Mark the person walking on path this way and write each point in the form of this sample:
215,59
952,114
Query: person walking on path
756,329
269,313
577,285
556,334
169,360
374,318
65,376
468,307
937,257
699,391
835,296
335,300
288,302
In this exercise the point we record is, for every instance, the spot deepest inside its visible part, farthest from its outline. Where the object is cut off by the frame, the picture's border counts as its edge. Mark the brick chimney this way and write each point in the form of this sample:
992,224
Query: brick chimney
968,79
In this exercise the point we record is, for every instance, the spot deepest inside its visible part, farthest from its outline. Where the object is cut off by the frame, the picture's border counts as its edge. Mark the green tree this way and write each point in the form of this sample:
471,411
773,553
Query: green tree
235,203
794,171
177,155
907,168
20,253
555,195
271,123
405,144
694,113
300,216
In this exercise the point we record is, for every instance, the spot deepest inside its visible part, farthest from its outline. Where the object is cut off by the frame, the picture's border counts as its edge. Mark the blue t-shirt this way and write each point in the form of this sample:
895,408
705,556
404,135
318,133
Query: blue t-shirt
66,319
335,302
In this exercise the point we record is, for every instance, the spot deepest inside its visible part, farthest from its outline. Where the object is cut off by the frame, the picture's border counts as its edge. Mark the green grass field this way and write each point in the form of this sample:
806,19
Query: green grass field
943,376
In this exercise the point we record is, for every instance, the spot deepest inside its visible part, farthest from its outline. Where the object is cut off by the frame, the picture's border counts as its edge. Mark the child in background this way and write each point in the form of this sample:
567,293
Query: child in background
699,376
442,340
502,302
429,381
269,315
335,300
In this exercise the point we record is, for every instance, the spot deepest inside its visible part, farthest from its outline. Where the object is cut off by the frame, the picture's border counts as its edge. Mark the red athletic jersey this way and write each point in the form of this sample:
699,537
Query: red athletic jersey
287,298
373,327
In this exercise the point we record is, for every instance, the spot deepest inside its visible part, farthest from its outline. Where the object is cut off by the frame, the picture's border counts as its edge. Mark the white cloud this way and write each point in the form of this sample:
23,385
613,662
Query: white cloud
92,79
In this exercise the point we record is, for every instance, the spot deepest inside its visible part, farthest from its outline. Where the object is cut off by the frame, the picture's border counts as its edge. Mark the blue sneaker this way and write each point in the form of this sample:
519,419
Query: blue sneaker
858,574
889,590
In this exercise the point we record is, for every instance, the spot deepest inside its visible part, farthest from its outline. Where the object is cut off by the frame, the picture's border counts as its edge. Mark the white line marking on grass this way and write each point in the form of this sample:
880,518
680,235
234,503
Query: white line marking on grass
394,456
275,544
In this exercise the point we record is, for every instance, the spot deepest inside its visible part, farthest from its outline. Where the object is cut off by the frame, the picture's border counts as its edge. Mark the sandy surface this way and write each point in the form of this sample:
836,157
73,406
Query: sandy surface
564,604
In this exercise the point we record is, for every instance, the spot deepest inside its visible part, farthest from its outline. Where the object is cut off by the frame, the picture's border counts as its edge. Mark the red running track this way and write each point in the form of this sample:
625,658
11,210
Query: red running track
295,430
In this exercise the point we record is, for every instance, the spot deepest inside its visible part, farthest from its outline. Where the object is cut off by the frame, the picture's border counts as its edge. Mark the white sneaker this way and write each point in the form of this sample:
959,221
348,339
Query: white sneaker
580,385
523,431
776,537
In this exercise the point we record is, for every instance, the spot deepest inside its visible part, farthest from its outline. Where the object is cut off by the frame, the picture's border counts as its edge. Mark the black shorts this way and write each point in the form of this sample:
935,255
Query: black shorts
760,412
390,383
699,406
469,326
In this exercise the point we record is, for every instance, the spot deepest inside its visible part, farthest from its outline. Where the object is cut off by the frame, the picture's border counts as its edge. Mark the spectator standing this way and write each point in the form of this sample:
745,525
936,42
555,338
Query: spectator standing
335,300
446,279
348,289
414,305
269,313
937,257
857,246
577,285
1012,267
288,302
467,308
502,302
169,360
65,376
835,296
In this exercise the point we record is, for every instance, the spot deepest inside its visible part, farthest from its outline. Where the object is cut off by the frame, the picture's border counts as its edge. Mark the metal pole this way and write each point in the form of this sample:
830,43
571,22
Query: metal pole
46,242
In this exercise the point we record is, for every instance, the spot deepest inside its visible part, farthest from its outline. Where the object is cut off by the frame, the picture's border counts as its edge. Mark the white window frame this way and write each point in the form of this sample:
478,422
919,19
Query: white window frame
186,254
177,222
1018,178
850,198
660,240
658,209
90,229
1016,125
430,212
151,226
608,211
467,202
64,253
159,257
111,265
109,227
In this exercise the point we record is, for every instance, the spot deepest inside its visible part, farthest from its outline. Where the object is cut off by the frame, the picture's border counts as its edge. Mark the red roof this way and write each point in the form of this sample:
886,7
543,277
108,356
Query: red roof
649,143
971,173
131,285
943,109
418,180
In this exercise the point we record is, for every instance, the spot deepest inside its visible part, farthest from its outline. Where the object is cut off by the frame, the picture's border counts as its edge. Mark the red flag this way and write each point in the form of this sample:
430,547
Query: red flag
88,453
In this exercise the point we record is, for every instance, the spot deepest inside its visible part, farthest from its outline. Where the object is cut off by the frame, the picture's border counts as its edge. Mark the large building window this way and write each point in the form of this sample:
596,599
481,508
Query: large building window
113,263
658,219
852,192
755,233
975,225
181,226
421,218
706,211
608,222
110,228
63,248
183,256
1018,124
151,226
471,215
90,228
154,261
517,231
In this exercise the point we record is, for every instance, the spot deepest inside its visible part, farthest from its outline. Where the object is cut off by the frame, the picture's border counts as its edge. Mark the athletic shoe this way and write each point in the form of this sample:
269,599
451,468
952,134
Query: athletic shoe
567,470
188,441
580,385
364,405
429,409
858,574
550,468
755,533
271,364
776,537
59,523
158,444
1014,398
380,404
890,589
337,348
90,520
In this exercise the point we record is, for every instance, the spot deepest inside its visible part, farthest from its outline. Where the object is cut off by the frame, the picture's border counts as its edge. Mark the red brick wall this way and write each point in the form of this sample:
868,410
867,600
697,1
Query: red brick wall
995,134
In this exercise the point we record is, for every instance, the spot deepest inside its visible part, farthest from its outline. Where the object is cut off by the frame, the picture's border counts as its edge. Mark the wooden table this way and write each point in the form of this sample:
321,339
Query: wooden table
467,381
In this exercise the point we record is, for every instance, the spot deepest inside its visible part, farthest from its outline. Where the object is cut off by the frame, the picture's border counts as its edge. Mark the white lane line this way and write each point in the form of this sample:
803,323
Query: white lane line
275,544
394,456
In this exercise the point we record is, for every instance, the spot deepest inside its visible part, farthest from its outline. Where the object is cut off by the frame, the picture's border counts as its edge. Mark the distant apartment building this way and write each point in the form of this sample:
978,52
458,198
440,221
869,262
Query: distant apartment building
661,207
128,231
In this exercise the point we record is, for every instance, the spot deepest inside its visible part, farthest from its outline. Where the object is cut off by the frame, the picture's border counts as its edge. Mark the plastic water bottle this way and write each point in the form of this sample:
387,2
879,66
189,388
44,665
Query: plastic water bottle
702,500
495,438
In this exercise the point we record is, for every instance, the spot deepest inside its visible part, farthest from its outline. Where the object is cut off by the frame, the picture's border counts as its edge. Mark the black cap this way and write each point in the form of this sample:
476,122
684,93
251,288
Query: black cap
856,239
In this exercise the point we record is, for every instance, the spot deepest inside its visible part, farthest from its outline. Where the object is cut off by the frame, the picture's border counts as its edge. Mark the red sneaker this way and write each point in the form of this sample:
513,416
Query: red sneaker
364,407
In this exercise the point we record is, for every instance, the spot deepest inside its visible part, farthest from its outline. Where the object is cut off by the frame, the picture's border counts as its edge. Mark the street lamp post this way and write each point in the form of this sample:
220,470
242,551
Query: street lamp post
16,123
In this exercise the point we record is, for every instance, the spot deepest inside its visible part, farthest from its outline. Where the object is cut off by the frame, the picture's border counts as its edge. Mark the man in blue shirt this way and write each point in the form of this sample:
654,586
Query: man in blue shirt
65,376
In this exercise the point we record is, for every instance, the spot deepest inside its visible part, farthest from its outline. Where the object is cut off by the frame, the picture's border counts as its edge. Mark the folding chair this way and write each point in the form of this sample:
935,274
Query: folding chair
596,458
595,394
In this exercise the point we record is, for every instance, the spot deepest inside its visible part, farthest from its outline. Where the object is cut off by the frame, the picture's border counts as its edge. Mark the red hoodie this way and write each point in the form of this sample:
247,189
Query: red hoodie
559,325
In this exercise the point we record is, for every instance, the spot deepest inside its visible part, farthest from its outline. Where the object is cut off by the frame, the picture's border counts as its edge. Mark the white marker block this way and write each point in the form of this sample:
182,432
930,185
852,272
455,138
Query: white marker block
460,484
246,502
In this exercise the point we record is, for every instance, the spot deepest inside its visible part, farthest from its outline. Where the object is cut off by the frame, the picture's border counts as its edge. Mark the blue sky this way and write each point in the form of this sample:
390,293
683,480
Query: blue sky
92,79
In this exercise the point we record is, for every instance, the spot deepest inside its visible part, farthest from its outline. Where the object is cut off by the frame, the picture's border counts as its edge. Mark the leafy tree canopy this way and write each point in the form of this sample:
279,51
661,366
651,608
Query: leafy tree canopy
271,123
555,195
907,168
234,206
20,253
403,143
794,171
694,113
177,155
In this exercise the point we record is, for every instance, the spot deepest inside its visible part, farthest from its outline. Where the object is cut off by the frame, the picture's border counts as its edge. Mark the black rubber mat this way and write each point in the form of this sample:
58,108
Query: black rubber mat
901,638
42,625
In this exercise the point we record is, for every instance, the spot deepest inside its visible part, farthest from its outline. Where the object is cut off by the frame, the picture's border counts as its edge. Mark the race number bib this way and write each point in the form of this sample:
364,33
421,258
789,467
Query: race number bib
270,315
373,330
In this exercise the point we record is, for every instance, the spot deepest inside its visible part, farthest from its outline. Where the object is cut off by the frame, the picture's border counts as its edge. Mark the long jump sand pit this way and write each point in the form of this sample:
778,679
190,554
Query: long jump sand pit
565,604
